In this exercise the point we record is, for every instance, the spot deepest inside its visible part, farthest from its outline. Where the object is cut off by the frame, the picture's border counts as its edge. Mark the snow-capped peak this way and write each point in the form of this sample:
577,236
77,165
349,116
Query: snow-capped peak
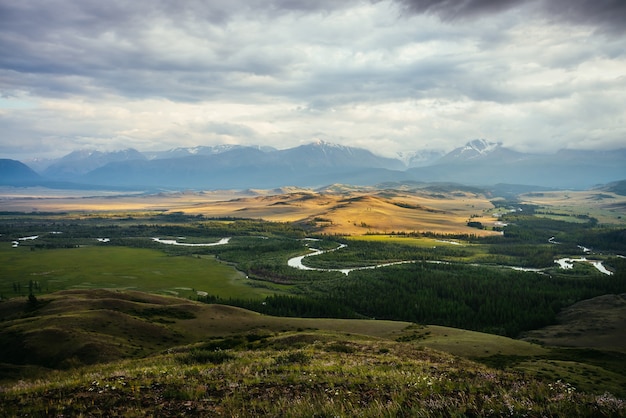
482,146
475,149
325,144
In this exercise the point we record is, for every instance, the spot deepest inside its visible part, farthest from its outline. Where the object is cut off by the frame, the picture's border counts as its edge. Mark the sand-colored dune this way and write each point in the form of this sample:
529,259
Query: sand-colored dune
349,211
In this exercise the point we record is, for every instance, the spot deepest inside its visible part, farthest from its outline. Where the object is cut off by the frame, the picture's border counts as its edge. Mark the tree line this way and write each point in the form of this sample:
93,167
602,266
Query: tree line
486,299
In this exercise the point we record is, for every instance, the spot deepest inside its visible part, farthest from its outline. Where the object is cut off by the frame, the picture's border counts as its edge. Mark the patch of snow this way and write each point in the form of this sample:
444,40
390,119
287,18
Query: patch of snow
103,239
482,146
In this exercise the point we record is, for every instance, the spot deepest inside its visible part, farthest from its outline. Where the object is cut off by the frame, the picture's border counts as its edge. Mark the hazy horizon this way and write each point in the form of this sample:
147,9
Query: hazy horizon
401,157
389,76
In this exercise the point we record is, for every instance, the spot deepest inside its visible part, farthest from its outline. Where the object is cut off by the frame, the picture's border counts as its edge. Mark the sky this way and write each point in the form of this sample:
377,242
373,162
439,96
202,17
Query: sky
391,76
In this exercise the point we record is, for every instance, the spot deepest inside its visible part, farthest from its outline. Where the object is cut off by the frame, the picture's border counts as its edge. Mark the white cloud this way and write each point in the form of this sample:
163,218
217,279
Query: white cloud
281,73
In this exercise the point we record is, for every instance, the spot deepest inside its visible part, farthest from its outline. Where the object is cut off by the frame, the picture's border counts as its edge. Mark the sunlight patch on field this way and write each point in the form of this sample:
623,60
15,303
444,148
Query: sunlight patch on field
422,242
606,207
358,213
350,212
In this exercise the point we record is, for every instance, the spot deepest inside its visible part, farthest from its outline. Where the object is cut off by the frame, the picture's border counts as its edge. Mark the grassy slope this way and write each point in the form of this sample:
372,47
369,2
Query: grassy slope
301,374
598,323
160,354
76,327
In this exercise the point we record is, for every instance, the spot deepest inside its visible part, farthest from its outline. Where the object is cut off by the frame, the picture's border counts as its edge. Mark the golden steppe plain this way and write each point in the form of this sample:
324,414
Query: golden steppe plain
336,210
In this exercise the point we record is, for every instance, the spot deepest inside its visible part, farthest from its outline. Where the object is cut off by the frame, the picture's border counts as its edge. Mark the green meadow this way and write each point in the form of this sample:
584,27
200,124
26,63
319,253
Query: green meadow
422,242
104,266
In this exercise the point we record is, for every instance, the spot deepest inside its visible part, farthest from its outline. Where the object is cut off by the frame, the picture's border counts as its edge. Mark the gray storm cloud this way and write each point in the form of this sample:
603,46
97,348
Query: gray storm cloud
609,15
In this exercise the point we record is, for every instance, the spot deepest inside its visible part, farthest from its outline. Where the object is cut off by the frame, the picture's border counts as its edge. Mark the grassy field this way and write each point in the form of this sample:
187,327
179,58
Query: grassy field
470,344
607,208
421,242
121,268
134,354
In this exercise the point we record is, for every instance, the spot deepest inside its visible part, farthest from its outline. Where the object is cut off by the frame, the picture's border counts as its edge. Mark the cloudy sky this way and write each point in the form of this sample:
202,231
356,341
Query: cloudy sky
391,76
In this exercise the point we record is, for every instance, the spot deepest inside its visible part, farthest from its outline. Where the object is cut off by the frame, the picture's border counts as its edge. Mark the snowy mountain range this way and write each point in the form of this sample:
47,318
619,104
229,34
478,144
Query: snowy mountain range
479,162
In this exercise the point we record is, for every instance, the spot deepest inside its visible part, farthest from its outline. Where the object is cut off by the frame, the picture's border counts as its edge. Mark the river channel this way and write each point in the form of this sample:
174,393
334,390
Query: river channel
564,263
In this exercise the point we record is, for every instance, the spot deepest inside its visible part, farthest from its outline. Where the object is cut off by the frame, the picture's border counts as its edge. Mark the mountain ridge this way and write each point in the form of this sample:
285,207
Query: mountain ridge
13,172
479,162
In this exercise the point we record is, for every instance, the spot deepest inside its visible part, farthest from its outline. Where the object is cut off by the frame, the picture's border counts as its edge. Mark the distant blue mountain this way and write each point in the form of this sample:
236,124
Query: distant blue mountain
80,162
478,163
15,173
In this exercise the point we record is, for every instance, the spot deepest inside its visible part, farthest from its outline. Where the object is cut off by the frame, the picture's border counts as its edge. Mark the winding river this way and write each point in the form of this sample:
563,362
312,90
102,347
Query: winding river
564,263
296,262
568,263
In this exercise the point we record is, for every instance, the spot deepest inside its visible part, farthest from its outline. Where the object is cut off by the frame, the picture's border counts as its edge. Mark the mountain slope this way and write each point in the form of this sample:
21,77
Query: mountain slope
617,187
324,154
181,152
13,172
483,163
249,167
83,161
480,151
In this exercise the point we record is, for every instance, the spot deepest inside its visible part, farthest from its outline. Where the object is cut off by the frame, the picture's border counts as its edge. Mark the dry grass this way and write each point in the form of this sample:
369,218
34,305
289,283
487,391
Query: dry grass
301,374
349,212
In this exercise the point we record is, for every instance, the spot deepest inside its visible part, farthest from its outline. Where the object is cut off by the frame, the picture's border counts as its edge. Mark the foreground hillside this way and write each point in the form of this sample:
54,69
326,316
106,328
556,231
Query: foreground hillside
599,322
133,354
